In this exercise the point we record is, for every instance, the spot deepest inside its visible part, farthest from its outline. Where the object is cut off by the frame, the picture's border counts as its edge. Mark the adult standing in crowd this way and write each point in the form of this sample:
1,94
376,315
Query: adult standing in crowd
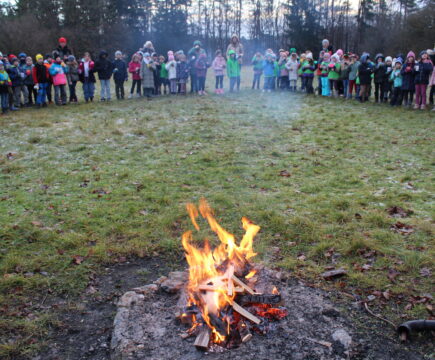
63,50
148,47
193,56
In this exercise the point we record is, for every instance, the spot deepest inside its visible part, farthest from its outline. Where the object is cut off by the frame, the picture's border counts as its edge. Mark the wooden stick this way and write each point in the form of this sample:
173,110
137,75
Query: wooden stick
243,285
214,288
230,273
245,313
203,338
244,332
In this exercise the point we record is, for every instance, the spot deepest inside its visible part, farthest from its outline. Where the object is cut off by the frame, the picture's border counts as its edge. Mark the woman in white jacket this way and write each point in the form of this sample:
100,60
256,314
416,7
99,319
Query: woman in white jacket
292,67
171,67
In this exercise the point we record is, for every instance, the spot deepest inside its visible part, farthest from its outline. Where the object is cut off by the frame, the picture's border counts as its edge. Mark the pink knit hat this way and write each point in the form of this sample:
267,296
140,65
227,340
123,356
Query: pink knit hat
170,55
411,53
339,52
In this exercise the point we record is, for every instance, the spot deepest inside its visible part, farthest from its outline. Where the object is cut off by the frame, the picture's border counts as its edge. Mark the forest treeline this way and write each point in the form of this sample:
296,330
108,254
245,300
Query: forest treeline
389,26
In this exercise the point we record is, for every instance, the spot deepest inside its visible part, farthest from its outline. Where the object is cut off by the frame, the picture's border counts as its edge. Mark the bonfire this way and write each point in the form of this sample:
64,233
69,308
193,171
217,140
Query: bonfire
222,307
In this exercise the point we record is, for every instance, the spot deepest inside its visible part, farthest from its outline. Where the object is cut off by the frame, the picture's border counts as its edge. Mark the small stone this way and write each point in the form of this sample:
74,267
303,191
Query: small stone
179,275
160,280
172,286
146,290
343,337
129,298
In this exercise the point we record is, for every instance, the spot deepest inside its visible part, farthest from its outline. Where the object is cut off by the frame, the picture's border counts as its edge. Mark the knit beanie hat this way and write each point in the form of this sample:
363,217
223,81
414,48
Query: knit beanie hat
71,58
62,40
388,58
309,56
411,53
39,57
118,53
339,52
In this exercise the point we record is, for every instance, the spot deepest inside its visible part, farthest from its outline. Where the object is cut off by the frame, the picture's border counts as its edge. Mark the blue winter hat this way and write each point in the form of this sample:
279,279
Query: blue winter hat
71,58
22,55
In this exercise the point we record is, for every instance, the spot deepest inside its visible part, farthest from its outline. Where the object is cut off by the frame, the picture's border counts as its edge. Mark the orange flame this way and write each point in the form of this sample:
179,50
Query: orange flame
204,264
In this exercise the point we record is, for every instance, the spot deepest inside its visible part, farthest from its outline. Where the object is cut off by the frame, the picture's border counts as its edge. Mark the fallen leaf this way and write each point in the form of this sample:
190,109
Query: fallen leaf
284,173
392,274
358,216
60,251
77,259
398,212
37,223
302,257
402,228
425,272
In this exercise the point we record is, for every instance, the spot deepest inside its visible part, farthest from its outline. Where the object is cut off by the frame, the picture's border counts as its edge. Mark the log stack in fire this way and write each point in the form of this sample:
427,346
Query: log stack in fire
221,304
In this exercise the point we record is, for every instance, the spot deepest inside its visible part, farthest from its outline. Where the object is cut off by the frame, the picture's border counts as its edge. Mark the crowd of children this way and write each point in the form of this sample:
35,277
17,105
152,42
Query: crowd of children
399,80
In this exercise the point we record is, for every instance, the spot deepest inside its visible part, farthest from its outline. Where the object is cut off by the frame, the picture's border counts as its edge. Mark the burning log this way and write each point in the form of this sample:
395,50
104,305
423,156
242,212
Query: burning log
271,299
244,332
216,288
246,313
242,284
203,338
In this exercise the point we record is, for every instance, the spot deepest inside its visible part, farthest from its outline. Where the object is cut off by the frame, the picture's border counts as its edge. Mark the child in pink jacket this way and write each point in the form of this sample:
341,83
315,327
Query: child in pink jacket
134,70
219,64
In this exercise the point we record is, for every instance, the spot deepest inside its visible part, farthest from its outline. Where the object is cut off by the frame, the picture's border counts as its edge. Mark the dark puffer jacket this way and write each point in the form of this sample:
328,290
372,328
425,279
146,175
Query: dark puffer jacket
408,76
422,72
103,66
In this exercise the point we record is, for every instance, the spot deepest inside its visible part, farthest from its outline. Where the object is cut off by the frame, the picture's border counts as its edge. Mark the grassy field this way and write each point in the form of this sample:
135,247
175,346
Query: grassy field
87,185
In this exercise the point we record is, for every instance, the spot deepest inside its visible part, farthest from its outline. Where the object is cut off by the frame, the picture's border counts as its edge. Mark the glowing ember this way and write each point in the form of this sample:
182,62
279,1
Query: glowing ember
215,288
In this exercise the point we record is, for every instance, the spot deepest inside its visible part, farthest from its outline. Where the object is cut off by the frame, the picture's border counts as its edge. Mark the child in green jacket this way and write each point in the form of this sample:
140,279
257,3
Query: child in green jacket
233,70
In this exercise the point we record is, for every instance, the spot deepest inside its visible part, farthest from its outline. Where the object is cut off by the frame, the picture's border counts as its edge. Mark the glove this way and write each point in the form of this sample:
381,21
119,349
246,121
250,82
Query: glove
36,87
22,75
115,70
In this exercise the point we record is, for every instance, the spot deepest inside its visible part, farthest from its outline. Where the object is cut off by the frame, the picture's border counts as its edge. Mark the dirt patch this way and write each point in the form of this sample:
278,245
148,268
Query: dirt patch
318,325
86,322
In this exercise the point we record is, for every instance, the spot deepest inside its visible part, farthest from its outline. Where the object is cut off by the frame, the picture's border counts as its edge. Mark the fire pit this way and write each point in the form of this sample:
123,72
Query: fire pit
223,305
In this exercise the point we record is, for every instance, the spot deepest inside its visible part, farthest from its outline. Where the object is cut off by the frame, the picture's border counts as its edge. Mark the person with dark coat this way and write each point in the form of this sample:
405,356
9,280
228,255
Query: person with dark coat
41,79
408,75
379,77
87,77
423,69
365,72
104,68
193,56
120,75
63,49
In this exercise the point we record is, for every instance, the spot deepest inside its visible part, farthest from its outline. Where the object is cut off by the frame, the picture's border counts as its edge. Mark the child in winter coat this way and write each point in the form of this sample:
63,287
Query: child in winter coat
147,75
87,77
257,62
386,82
308,67
283,71
134,70
171,67
334,70
104,67
344,74
23,70
164,81
5,84
233,71
201,66
16,76
408,75
72,76
41,79
432,79
57,71
423,69
379,77
292,67
269,71
47,62
396,78
120,74
353,73
324,67
365,71
28,80
183,72
219,65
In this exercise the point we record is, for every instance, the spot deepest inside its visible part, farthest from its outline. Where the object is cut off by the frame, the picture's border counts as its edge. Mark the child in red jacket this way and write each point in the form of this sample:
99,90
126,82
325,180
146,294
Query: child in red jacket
134,70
